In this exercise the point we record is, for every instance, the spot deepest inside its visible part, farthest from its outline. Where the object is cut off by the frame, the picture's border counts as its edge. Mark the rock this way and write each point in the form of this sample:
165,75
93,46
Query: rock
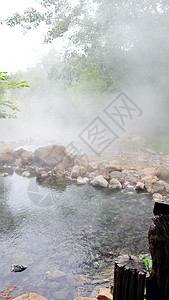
149,171
166,187
49,155
155,186
6,156
140,187
157,197
79,162
18,161
149,178
68,161
106,175
78,280
118,175
4,175
100,181
91,167
26,174
62,294
18,268
104,294
55,275
92,175
44,174
115,184
30,296
78,171
58,168
162,172
19,152
81,180
26,157
110,166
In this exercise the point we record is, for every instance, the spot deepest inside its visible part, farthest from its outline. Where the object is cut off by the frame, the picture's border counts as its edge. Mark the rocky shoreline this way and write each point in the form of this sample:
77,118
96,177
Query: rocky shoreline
50,162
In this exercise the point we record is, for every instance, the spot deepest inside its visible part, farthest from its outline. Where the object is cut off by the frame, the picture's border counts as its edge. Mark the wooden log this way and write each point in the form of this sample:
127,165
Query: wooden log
158,236
129,278
161,208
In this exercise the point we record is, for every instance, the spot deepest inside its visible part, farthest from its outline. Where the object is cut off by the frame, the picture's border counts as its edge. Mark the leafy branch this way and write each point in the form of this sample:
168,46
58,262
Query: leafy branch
7,108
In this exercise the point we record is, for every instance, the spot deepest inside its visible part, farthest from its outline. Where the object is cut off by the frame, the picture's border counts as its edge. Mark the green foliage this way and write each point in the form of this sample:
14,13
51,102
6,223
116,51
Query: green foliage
147,261
7,107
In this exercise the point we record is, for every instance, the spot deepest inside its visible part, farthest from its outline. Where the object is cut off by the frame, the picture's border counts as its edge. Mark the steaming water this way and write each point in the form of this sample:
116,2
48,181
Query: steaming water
79,235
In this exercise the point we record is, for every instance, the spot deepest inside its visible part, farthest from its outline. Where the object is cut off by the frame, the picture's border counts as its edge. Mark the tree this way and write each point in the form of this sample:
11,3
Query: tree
7,107
109,40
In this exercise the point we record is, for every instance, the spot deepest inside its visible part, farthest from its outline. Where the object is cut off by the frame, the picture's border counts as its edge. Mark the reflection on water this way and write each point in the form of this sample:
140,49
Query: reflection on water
79,235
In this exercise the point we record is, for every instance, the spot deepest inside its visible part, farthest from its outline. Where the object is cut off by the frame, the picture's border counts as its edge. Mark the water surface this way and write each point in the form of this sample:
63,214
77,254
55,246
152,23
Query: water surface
74,229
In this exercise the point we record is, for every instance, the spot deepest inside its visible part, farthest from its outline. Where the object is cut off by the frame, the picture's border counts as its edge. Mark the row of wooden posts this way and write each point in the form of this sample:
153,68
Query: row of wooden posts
130,273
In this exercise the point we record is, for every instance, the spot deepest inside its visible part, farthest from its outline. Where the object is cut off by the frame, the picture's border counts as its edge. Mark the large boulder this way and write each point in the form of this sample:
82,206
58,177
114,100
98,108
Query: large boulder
100,181
31,296
50,155
162,172
78,171
6,156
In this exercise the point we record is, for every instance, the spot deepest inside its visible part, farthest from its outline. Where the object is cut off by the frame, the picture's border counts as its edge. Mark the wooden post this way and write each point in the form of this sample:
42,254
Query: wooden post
129,278
158,236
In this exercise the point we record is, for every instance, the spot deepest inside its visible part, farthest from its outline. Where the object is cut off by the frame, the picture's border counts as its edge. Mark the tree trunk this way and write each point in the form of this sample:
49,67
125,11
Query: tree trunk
158,236
129,278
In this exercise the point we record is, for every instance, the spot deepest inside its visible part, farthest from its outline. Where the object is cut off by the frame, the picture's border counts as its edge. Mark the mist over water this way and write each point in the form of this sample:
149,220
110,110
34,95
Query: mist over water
135,40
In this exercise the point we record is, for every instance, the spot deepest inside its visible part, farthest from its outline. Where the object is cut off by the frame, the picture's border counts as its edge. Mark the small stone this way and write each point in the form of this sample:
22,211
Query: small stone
18,268
110,166
54,275
58,168
78,171
44,174
118,175
81,180
115,184
26,174
18,161
158,197
4,174
68,161
100,181
91,167
140,187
